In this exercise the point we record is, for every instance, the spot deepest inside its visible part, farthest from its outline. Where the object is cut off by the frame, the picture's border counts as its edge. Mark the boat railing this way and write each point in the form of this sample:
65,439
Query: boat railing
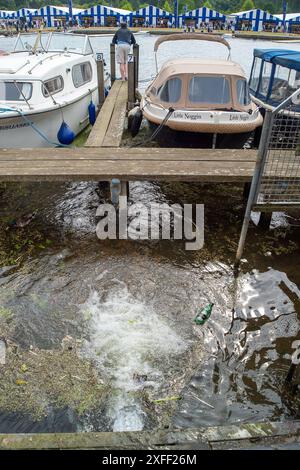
53,42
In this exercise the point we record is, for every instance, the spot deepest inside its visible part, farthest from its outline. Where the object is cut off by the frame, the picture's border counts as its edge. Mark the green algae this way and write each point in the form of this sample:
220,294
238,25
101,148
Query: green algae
34,380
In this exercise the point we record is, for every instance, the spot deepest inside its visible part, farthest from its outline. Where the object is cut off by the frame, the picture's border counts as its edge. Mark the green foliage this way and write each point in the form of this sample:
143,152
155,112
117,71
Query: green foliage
208,4
168,6
248,5
126,5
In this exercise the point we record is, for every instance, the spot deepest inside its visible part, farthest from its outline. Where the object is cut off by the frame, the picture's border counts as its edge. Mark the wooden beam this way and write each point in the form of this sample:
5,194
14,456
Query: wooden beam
134,153
126,164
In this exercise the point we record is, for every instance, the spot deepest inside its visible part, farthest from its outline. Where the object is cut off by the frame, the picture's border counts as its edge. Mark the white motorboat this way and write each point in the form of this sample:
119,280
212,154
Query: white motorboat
204,98
48,90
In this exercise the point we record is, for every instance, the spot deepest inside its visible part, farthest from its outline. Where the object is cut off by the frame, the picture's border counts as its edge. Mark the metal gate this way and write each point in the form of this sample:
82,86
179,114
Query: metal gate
276,181
279,178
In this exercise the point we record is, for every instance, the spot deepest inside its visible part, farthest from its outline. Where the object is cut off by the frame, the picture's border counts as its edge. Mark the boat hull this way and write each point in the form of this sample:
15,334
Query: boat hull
204,121
15,132
170,138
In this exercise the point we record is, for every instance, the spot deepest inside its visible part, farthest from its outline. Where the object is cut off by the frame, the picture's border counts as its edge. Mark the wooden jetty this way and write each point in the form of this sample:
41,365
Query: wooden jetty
108,129
266,435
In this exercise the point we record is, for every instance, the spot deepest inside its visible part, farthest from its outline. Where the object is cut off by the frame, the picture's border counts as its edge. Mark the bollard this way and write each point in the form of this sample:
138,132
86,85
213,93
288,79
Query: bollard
112,63
136,55
100,76
115,191
131,82
118,188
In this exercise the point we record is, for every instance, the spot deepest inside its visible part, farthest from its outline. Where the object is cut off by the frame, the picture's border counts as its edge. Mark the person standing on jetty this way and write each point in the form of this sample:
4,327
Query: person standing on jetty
123,39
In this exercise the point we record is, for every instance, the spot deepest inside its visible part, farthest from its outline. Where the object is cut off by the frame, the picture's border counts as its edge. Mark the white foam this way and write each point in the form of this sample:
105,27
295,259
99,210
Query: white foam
133,346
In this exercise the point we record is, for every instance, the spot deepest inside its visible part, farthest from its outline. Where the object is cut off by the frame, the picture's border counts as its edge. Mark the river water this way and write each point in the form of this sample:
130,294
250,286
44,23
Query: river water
132,303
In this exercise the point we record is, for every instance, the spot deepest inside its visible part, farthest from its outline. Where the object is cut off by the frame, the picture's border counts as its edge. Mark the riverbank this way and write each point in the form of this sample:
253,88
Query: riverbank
268,36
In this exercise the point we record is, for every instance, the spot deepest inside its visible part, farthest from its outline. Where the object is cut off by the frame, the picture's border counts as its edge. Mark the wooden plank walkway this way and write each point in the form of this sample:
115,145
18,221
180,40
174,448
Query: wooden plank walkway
109,126
268,435
102,164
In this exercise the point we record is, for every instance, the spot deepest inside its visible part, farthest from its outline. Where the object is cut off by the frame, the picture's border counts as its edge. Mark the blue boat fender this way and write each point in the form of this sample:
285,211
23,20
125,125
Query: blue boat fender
92,113
65,134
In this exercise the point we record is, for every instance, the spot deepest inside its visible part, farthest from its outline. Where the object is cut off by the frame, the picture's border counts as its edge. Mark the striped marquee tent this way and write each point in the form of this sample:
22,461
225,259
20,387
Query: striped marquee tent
100,13
150,15
24,13
257,18
291,19
202,15
5,14
51,13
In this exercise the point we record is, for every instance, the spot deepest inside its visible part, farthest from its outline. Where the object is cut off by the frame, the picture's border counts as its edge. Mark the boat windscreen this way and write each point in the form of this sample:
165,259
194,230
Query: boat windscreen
286,81
205,89
78,44
54,42
26,42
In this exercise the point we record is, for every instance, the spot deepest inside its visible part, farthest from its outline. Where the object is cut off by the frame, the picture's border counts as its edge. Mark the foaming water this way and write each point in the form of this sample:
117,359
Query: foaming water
134,349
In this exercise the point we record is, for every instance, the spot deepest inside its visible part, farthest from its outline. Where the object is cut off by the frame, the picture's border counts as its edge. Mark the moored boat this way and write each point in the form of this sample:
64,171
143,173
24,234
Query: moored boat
206,99
48,90
275,75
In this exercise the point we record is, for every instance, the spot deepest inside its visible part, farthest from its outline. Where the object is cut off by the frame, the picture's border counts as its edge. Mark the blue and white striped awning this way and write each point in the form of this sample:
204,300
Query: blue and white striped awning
50,13
296,19
202,15
5,14
291,18
100,12
257,17
24,13
150,14
205,14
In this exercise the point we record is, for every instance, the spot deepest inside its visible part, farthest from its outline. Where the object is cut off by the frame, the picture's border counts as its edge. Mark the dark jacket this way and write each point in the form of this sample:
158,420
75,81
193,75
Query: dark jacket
124,35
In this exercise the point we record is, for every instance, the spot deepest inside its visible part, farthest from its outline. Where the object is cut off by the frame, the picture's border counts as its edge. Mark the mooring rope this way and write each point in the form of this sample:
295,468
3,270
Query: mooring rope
32,125
157,131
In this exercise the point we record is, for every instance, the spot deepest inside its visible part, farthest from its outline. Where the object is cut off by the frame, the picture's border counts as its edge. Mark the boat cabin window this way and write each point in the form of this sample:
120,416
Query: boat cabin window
15,91
284,84
82,73
170,92
204,89
52,86
254,79
243,94
265,79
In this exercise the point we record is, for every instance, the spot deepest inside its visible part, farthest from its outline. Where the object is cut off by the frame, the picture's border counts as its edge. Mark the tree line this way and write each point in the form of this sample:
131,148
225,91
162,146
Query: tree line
225,6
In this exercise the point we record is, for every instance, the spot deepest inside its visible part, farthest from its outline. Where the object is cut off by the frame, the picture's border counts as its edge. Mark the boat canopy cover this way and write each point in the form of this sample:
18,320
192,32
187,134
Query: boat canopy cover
191,36
285,58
